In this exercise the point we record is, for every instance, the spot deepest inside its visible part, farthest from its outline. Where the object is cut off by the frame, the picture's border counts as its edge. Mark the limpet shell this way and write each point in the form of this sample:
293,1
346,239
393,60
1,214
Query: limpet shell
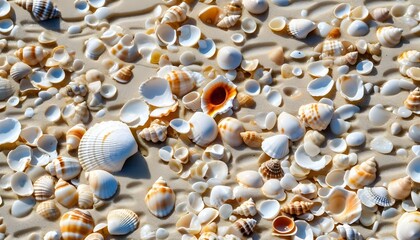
255,6
237,38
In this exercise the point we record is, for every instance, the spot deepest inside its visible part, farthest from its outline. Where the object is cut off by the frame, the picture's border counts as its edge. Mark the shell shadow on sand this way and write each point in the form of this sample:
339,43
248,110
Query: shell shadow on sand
135,167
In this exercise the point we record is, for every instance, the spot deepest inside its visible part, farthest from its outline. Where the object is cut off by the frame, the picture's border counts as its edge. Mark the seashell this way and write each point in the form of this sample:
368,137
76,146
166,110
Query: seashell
21,208
249,178
94,47
64,167
316,115
192,101
85,196
180,81
207,216
76,224
124,75
284,226
375,196
211,15
135,112
122,221
277,24
103,184
400,188
160,199
189,35
156,91
408,226
290,126
203,129
52,113
252,87
166,34
381,145
106,145
246,209
252,139
244,227
342,161
44,188
407,60
18,159
320,86
195,202
155,133
95,236
180,125
380,14
218,95
414,73
359,13
413,101
31,55
361,175
175,14
269,209
4,8
65,193
389,36
30,135
255,6
21,184
41,10
230,130
315,163
48,210
317,69
188,223
20,70
297,207
6,89
342,10
219,195
207,47
125,49
333,203
347,232
300,28
271,169
233,8
48,144
229,58
276,146
74,135
6,25
358,28
248,25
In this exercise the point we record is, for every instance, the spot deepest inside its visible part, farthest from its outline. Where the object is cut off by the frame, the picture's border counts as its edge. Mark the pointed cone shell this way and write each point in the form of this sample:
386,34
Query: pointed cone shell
103,184
76,224
160,199
124,75
64,167
218,96
181,82
246,209
122,221
44,188
31,55
316,115
297,207
400,188
252,139
230,130
106,145
157,132
389,36
40,9
65,193
228,21
271,169
361,175
276,146
413,101
300,28
343,206
48,210
380,14
85,196
177,13
244,226
74,135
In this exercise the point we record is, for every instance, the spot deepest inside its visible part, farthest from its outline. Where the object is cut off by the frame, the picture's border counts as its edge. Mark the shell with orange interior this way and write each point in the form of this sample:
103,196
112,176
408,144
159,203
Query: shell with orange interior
218,96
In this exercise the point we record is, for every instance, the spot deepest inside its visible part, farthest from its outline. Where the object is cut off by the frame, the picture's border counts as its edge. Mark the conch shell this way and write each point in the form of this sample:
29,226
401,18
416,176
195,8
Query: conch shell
389,36
413,101
246,209
177,13
361,175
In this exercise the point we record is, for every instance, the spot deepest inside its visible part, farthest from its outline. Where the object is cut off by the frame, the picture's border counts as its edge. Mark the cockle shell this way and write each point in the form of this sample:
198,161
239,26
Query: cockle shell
74,135
246,209
407,60
174,14
48,210
122,221
217,97
297,207
6,89
400,188
85,196
290,126
243,227
124,75
361,175
44,188
271,169
347,232
160,199
65,193
20,70
230,130
106,145
94,47
156,132
334,200
276,146
228,21
31,55
389,36
76,224
408,226
300,28
103,184
41,9
316,115
203,129
375,196
211,14
413,101
252,138
380,14
64,167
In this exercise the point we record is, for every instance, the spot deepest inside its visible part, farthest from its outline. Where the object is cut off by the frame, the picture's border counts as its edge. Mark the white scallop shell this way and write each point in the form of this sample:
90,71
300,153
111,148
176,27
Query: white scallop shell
320,86
350,87
135,112
290,126
122,221
317,69
21,184
276,146
203,129
268,209
106,145
300,28
228,58
189,35
314,163
31,134
156,91
207,47
375,196
389,36
166,34
18,159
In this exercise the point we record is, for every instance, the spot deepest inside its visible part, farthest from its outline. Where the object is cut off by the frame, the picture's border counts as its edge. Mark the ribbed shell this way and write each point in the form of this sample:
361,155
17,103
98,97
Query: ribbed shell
181,82
245,100
362,175
246,209
228,21
64,167
122,221
413,100
300,28
31,55
316,115
74,135
218,96
332,48
297,207
40,9
389,36
106,145
156,132
76,224
20,70
245,226
124,75
252,139
379,196
48,210
160,199
177,13
44,188
103,184
6,89
85,196
271,169
65,193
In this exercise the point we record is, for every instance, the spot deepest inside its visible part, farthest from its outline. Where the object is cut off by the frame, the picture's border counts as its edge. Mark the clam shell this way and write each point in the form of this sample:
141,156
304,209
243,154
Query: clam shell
210,15
252,87
361,175
180,125
230,130
41,9
31,55
342,10
74,135
177,13
106,145
52,113
18,159
207,47
229,58
203,129
20,70
30,135
248,25
412,169
207,215
269,209
156,91
350,87
160,199
380,14
249,178
358,28
389,36
352,209
76,224
252,139
188,223
317,69
21,184
4,8
65,193
124,75
166,34
21,207
314,163
255,6
195,202
375,196
219,195
6,89
135,112
290,126
276,146
103,184
272,188
94,47
48,210
156,132
44,188
316,115
320,86
413,101
85,196
189,35
359,13
122,221
408,226
284,226
218,95
300,28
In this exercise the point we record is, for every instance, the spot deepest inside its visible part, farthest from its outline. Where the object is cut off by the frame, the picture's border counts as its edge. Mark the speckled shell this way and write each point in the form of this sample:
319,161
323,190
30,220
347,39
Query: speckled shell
362,175
125,49
297,207
400,188
65,193
76,224
271,169
316,115
246,209
160,199
48,210
230,129
244,226
44,188
228,21
40,9
157,132
218,96
177,13
181,82
74,135
122,221
64,167
124,75
252,139
85,196
413,101
31,55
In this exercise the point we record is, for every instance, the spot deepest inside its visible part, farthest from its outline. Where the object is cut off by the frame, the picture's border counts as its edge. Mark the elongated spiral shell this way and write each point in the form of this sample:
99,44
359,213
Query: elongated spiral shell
316,115
271,169
160,199
244,226
246,209
44,188
177,13
297,207
31,55
74,135
124,75
362,175
48,210
65,193
122,221
252,139
64,167
76,224
155,133
41,9
228,21
413,101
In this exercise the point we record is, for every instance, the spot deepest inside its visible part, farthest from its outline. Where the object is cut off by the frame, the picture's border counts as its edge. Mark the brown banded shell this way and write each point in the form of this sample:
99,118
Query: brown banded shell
361,175
316,115
74,135
244,226
297,207
245,100
31,55
124,75
246,209
413,101
160,199
76,224
48,210
228,21
271,169
252,139
40,9
233,8
174,14
44,188
157,132
65,193
181,82
85,196
64,167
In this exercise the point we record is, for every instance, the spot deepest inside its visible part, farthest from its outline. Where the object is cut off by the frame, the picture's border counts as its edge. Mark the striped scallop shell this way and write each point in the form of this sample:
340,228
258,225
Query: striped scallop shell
65,193
76,224
64,167
160,199
48,210
252,139
230,130
157,132
361,175
271,169
177,13
228,21
122,221
31,55
297,207
44,188
106,145
74,135
376,195
244,226
413,101
103,184
124,75
85,196
181,82
246,209
40,9
316,115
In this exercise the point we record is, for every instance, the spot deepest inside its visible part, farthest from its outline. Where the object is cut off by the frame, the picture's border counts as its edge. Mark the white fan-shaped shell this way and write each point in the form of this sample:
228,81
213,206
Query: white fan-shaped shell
300,28
103,184
122,221
276,146
375,196
106,145
203,129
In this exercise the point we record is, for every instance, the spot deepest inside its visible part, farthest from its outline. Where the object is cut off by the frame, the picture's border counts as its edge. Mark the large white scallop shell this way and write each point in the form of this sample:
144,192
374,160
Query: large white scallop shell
203,129
157,92
103,184
106,145
300,28
276,146
160,199
122,221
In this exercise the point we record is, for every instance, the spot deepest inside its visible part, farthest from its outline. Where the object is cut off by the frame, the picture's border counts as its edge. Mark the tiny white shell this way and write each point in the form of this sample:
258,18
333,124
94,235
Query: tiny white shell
207,47
315,163
180,125
55,75
268,209
255,6
337,145
6,25
22,207
355,139
166,34
274,98
250,178
108,91
237,38
350,87
252,87
378,115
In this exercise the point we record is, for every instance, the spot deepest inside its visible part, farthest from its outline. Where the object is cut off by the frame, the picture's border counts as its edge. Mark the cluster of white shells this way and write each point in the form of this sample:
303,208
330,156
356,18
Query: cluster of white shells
309,181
